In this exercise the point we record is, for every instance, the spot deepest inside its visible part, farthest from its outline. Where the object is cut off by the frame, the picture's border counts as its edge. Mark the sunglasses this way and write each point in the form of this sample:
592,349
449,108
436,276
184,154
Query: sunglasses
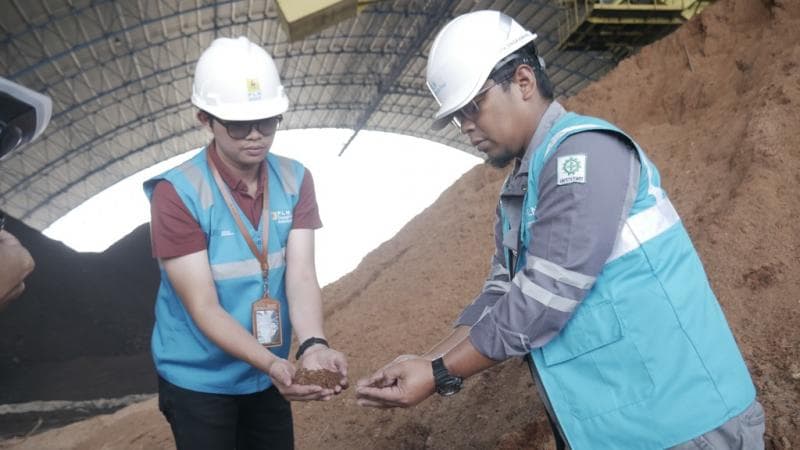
241,129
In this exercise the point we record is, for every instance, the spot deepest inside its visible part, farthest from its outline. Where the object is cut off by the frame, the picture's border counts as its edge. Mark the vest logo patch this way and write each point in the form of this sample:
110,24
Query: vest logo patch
226,233
284,216
571,169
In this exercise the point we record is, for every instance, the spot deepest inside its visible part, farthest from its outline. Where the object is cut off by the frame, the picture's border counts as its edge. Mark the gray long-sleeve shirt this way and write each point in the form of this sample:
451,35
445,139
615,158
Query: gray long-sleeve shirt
577,224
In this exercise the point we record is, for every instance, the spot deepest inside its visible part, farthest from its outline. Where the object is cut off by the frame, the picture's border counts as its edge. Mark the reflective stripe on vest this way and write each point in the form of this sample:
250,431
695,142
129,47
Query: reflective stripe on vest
644,226
246,268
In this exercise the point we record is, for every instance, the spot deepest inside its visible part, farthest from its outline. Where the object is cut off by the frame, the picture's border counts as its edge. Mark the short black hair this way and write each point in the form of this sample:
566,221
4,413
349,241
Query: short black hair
527,55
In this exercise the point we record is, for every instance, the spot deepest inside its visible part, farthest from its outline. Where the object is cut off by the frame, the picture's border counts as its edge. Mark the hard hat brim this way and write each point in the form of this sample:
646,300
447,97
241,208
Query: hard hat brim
441,123
245,111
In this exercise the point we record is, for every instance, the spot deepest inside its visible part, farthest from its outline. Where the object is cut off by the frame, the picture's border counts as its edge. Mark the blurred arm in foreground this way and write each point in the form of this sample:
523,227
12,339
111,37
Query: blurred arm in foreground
17,264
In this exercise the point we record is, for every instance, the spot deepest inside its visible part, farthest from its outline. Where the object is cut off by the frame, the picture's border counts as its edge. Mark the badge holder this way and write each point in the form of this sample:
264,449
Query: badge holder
267,322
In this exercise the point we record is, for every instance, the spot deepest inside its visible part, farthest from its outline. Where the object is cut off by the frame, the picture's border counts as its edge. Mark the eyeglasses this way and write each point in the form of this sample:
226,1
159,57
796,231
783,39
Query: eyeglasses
241,129
470,110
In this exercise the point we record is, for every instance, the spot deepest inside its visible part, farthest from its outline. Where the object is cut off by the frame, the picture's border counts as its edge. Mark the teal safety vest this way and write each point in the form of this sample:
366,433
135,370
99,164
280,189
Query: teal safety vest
183,355
647,360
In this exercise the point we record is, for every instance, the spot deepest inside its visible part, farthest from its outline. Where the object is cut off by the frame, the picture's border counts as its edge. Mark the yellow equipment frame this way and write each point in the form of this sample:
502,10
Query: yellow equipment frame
620,26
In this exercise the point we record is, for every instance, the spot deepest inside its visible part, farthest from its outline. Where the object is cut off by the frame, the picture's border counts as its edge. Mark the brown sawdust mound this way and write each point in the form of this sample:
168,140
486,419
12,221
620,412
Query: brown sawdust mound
325,378
716,105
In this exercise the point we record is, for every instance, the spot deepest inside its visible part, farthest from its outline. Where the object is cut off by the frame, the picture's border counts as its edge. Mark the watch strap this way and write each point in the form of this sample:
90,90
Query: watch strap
439,370
445,383
308,343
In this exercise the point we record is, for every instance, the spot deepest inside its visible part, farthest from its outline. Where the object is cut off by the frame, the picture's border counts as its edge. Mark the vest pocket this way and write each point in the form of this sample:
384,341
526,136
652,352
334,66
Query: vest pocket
592,367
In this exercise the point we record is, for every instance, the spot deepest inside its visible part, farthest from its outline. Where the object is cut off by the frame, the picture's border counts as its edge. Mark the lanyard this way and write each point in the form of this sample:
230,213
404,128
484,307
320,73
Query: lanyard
263,255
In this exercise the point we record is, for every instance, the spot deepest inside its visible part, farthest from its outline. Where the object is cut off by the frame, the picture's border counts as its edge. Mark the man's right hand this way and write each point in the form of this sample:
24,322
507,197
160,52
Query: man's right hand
404,382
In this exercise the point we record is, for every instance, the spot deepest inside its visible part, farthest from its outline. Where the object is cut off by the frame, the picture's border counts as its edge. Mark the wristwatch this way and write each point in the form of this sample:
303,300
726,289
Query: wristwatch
446,383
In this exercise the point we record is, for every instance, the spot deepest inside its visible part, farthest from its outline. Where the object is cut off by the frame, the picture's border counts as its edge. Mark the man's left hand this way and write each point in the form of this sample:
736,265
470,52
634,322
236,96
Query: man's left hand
403,384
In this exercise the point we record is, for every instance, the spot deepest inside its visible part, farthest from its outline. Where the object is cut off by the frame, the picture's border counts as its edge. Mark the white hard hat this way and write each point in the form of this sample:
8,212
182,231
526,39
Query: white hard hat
463,55
236,79
41,105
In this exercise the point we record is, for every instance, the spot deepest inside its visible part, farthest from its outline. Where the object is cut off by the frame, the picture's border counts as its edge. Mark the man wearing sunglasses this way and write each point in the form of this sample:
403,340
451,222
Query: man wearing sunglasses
233,230
594,280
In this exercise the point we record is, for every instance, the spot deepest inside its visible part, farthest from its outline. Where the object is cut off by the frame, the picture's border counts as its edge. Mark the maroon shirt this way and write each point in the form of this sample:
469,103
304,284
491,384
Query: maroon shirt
175,232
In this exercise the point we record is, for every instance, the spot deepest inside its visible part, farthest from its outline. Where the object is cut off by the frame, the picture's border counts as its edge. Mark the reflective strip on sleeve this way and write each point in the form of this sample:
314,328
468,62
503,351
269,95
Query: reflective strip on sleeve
543,296
643,226
559,273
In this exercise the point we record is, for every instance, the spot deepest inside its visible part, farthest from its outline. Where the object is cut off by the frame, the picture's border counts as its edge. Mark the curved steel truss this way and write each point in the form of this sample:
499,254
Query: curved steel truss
119,73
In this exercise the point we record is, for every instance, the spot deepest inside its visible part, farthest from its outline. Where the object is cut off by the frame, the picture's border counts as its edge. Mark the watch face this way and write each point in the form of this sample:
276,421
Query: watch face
449,386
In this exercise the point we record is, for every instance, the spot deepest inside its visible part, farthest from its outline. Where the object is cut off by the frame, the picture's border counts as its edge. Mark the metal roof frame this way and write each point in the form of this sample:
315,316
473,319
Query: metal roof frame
119,74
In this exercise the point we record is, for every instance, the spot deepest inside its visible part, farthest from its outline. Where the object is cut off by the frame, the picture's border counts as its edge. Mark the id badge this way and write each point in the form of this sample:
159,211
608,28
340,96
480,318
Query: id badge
267,322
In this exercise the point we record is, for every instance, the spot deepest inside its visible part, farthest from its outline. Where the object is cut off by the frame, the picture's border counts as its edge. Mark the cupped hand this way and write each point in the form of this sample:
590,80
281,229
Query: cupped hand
326,358
403,383
282,371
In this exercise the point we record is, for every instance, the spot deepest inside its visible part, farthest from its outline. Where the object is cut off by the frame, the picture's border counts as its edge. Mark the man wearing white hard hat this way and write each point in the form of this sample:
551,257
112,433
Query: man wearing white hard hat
594,280
233,230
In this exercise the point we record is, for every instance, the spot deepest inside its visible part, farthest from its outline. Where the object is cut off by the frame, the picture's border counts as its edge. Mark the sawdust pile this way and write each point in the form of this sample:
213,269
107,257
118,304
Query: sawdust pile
717,107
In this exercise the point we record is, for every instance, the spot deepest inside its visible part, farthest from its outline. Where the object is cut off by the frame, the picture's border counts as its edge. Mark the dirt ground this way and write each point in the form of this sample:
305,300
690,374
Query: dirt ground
716,105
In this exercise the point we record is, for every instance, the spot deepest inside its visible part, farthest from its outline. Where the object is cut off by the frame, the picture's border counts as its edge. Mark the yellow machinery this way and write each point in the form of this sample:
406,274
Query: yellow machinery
620,26
305,17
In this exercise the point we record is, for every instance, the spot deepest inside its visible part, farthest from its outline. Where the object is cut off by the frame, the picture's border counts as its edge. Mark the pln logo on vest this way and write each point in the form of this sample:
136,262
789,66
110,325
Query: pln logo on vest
253,89
283,216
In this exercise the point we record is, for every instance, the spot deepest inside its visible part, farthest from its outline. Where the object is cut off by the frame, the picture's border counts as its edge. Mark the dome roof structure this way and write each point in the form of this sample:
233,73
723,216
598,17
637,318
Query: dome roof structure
119,74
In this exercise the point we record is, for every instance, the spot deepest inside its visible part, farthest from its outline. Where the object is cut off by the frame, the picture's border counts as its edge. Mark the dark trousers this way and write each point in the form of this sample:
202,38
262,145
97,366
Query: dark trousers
202,421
